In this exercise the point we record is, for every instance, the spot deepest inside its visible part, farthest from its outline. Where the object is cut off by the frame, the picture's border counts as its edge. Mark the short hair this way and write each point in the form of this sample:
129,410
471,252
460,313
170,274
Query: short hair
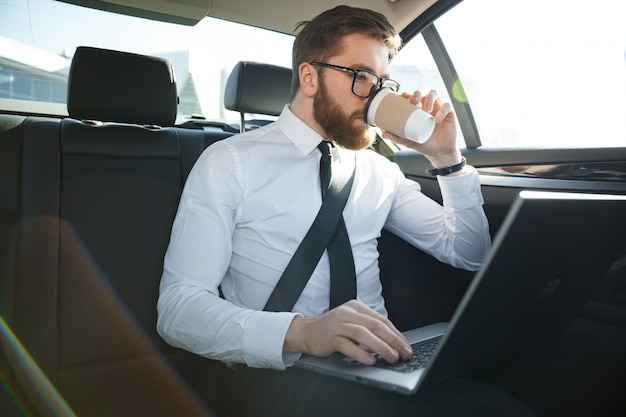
320,38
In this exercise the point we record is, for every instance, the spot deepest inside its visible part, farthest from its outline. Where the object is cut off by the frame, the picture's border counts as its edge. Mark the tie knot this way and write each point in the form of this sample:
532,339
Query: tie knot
325,147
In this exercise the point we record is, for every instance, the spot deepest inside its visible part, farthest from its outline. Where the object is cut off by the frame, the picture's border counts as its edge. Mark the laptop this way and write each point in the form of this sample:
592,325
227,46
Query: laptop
547,255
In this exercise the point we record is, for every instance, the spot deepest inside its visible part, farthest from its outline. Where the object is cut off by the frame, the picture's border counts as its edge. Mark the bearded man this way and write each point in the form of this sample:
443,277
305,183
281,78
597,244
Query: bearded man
250,199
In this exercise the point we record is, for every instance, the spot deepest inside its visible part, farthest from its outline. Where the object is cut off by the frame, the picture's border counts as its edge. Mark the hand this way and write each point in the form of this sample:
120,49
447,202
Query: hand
441,148
346,329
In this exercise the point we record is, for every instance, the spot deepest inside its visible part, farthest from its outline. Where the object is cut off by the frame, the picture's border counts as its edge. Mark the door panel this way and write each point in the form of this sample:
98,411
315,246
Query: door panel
504,173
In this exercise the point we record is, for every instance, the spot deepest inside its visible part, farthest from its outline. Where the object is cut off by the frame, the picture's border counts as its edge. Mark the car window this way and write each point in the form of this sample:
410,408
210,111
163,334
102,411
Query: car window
541,73
415,69
38,39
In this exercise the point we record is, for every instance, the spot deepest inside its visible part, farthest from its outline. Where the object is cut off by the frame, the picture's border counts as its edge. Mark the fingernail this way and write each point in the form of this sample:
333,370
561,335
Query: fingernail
408,352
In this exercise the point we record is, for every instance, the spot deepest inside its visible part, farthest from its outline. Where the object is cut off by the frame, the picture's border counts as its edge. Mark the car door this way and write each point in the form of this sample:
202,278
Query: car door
539,101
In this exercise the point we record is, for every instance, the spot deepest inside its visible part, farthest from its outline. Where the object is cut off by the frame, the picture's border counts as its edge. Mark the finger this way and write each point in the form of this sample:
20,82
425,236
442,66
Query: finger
367,311
375,331
430,100
401,141
444,110
414,97
388,341
376,344
359,343
363,309
348,348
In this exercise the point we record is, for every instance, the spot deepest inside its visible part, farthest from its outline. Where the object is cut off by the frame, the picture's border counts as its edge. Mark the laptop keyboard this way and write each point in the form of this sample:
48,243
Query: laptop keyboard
422,352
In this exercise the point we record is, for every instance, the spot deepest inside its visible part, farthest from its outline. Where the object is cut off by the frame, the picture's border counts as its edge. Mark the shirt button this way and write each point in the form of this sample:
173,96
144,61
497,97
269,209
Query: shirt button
268,366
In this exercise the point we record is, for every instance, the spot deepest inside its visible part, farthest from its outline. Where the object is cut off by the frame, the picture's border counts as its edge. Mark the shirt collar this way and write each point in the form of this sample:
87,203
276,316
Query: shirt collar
298,132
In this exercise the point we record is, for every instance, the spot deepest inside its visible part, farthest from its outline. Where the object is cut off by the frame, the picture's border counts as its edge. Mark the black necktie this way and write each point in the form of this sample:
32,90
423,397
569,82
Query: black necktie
342,272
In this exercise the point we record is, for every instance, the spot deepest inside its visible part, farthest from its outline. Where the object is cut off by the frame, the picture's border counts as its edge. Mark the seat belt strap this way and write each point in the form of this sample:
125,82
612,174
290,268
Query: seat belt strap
317,239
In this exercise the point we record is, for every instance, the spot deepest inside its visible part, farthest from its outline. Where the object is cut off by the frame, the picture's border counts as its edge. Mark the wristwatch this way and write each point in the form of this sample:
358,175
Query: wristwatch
447,170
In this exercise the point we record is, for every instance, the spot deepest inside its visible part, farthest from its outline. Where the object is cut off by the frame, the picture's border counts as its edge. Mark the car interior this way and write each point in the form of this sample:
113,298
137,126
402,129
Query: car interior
88,200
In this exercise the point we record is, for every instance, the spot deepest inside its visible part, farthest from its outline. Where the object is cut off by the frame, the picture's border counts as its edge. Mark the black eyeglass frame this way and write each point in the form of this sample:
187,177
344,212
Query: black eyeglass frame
382,82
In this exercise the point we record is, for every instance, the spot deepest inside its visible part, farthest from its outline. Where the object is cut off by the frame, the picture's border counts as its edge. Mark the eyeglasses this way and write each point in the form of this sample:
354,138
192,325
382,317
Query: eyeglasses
364,82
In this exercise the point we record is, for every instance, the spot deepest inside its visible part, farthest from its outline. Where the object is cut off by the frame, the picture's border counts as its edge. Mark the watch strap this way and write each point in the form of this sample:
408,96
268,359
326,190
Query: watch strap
447,170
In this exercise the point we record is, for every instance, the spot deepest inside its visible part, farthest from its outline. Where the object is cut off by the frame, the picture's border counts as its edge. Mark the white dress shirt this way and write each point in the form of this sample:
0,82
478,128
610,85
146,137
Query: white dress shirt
247,204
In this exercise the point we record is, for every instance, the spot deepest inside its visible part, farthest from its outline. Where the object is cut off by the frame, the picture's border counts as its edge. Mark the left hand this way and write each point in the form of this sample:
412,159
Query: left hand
441,148
346,329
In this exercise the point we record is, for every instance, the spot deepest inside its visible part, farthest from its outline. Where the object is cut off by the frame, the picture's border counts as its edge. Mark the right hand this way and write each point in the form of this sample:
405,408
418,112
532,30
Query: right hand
441,148
346,329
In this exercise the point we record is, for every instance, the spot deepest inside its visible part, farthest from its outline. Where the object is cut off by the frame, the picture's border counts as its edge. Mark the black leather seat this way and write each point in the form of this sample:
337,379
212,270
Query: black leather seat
85,217
257,88
91,206
86,209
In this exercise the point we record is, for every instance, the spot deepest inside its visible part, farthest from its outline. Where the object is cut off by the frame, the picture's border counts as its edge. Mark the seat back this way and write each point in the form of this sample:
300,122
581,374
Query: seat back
106,85
257,88
98,192
11,133
418,289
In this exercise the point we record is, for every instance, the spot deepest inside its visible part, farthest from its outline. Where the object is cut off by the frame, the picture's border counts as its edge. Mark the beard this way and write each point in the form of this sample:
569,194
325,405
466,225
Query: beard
338,126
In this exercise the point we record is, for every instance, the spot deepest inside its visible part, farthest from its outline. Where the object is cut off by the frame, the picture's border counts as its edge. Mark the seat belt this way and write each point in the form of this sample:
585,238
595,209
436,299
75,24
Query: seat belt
317,239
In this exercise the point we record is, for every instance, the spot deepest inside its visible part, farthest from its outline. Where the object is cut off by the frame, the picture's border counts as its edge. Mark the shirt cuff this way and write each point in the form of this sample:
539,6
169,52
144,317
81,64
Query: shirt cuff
264,338
461,191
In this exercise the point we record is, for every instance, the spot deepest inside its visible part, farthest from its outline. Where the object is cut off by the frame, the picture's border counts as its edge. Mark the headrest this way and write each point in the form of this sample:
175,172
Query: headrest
258,88
113,86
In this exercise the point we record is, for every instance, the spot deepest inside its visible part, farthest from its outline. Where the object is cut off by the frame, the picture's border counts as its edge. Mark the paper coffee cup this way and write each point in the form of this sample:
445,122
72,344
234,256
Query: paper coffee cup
395,114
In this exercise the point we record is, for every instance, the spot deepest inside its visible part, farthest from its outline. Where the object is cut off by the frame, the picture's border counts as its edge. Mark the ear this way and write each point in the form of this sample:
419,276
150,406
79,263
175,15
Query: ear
308,79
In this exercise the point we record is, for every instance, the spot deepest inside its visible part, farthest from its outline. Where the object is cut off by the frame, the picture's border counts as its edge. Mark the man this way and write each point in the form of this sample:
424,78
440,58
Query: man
250,200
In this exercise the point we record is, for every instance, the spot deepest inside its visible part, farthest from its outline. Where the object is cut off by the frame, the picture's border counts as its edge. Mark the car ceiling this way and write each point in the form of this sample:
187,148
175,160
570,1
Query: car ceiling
277,15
